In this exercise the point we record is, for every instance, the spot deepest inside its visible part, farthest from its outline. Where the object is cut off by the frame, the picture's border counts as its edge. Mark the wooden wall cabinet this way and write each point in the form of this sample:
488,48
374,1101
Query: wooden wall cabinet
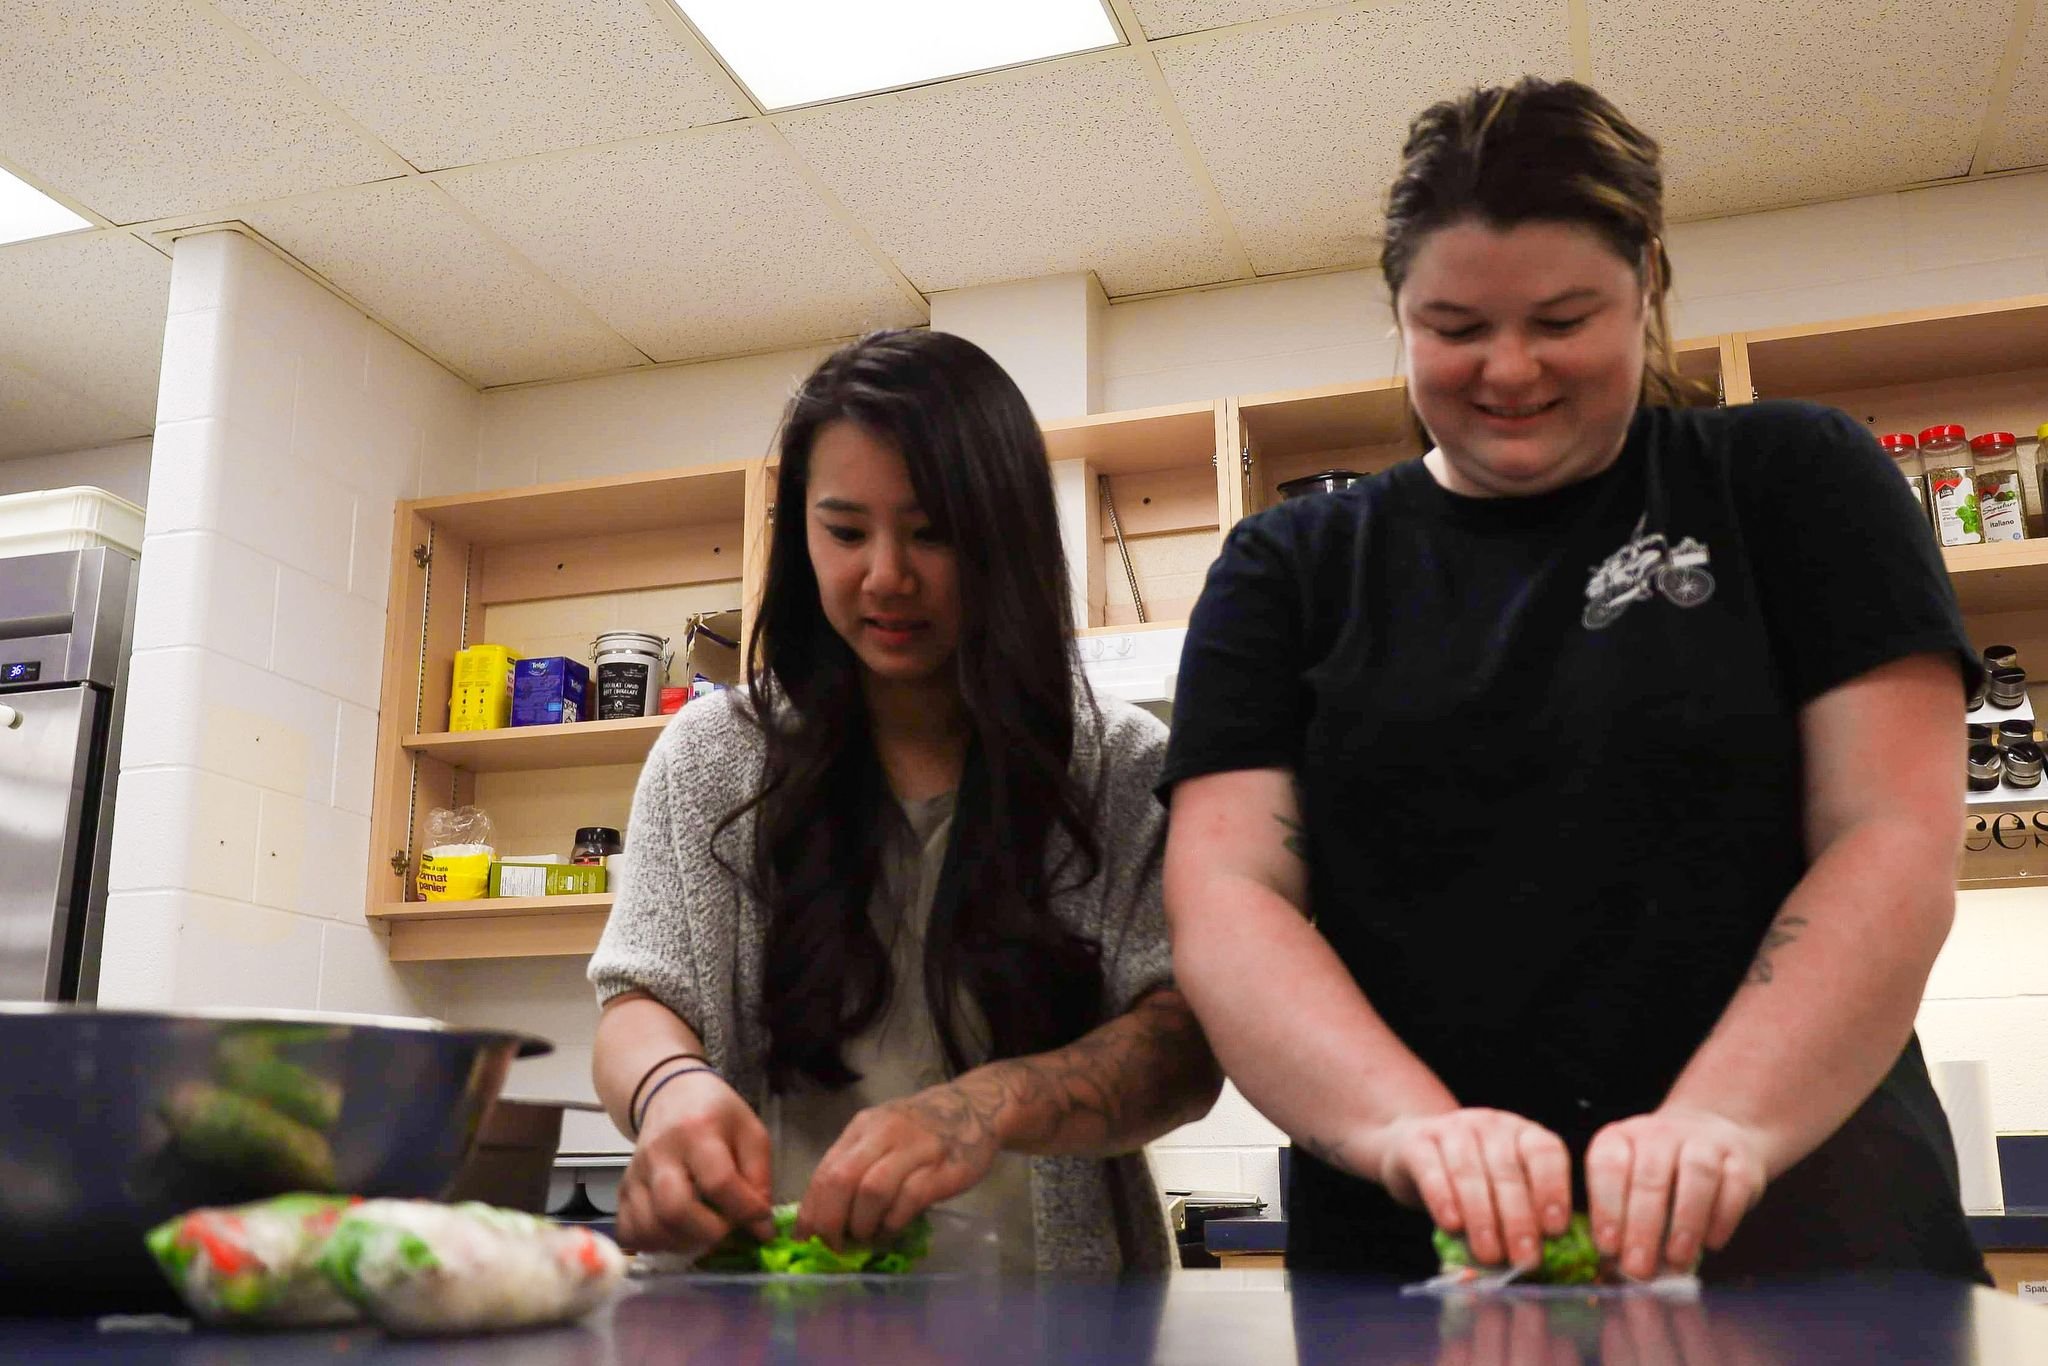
545,569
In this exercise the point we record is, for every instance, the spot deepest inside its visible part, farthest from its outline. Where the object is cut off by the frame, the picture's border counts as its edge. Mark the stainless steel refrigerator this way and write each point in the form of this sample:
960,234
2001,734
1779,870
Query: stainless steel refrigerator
64,625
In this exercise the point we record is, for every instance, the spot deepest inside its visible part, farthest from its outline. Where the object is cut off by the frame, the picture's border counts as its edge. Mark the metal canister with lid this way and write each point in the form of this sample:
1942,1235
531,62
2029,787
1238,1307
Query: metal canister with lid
596,843
1951,485
629,669
1905,454
2000,508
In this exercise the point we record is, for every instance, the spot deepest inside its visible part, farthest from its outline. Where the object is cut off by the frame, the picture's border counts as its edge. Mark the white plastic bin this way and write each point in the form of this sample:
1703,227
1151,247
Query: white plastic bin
68,519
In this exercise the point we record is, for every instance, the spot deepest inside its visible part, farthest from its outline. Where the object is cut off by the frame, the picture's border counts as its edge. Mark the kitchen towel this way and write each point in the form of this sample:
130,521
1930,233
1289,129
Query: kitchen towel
1965,1090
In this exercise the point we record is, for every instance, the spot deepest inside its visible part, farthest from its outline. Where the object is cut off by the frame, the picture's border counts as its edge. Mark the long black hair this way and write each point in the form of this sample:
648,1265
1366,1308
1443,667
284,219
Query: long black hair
978,465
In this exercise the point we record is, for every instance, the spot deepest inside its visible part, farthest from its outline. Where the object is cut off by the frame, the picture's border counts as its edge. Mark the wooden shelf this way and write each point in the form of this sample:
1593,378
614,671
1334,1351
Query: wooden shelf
2009,576
587,744
496,927
1133,442
1899,348
1333,417
696,495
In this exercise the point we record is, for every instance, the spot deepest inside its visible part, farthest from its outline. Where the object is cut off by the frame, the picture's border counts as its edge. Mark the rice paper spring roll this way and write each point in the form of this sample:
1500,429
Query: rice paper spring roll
254,1264
417,1267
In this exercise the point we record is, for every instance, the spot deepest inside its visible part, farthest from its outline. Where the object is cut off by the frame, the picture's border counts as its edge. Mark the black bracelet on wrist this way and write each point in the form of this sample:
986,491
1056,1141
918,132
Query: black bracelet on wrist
655,1090
633,1105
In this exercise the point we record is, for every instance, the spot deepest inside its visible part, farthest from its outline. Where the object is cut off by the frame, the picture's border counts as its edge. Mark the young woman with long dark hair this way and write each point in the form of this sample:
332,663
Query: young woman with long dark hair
1614,747
890,935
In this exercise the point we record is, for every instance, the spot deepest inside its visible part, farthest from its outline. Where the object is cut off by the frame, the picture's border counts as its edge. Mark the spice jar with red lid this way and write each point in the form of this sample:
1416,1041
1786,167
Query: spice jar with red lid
2001,510
1951,485
1905,454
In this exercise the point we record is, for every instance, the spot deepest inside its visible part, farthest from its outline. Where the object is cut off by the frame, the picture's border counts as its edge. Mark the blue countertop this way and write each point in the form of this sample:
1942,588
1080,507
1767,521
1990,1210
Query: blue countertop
2016,1228
1211,1316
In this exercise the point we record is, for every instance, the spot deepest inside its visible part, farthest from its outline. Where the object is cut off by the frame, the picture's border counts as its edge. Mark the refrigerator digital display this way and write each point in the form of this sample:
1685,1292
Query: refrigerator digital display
23,673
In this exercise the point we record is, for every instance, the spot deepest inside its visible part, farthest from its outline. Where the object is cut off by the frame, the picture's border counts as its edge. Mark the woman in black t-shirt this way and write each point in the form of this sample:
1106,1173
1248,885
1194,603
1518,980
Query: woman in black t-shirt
1612,753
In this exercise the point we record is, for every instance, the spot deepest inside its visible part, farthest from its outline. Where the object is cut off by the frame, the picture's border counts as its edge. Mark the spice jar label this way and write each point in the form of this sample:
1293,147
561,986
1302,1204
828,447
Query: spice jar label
1954,495
1998,506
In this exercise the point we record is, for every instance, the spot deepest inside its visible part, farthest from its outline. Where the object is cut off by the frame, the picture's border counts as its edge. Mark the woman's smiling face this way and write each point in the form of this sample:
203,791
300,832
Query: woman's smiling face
1525,350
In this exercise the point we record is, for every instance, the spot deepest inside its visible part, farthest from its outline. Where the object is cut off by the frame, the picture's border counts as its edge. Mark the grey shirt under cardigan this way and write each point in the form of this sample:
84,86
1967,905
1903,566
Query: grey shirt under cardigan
686,932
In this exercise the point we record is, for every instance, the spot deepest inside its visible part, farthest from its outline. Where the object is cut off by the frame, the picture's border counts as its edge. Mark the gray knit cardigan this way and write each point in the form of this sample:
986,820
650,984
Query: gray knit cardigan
685,931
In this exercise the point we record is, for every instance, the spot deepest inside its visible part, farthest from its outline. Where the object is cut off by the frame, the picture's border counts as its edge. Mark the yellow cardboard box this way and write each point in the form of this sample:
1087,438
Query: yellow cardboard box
481,698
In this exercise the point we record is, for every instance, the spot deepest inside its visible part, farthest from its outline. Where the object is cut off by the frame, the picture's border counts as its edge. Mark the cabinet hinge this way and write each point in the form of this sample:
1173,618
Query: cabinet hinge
401,863
422,556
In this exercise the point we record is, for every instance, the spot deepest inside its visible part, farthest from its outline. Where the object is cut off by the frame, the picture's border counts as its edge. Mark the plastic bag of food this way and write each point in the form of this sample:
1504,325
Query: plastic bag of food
785,1255
1571,1266
456,864
254,1264
417,1267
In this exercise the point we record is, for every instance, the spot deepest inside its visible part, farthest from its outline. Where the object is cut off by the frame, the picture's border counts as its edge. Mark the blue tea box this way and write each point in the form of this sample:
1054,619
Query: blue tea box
549,691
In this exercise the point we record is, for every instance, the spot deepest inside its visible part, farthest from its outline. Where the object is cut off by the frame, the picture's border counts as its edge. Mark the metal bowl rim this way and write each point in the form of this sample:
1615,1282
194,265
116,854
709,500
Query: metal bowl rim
530,1045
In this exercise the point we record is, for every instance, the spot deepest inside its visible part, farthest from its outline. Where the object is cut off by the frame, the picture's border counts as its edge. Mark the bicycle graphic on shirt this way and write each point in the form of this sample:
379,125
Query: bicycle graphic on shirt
1647,564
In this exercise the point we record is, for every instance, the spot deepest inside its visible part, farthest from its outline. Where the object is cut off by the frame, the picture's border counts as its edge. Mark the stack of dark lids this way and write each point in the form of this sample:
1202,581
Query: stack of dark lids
2006,753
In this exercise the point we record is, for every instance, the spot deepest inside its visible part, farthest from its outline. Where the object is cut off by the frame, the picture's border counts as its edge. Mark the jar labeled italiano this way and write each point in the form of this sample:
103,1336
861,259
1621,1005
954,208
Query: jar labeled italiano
2000,509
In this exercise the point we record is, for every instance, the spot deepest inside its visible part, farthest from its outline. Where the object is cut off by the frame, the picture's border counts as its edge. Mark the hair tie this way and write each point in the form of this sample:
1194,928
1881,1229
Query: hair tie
633,1105
655,1090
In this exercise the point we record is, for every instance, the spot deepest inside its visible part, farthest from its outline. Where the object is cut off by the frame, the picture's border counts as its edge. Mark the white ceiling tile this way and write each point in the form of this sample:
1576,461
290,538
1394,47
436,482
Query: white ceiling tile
409,256
38,417
86,312
1773,103
459,81
1164,18
150,108
2023,132
1054,169
1301,125
700,245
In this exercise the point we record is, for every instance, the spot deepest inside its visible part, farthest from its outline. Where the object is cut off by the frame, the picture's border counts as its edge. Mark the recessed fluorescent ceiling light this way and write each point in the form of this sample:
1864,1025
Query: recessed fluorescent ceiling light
792,52
26,213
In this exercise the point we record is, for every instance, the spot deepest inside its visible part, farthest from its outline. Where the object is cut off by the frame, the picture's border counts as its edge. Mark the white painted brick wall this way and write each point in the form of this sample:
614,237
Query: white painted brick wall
121,469
288,424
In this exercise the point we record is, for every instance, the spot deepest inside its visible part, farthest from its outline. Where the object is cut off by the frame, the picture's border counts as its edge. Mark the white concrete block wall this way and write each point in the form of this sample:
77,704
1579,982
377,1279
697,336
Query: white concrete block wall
1951,245
626,424
1247,339
122,469
288,424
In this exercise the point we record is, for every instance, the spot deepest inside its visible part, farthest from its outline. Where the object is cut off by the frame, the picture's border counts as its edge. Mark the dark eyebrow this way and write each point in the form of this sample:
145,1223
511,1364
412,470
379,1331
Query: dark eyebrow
1569,296
847,505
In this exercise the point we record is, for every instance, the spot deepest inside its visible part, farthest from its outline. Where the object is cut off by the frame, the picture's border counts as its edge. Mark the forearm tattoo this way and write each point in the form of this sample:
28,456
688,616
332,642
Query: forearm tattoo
1784,930
1108,1092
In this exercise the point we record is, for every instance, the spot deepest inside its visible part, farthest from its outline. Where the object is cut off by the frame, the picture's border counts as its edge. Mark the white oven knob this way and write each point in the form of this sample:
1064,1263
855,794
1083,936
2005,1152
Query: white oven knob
9,718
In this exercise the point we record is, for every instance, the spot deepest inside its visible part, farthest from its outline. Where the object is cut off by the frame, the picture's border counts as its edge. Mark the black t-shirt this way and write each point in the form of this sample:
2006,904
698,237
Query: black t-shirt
1548,761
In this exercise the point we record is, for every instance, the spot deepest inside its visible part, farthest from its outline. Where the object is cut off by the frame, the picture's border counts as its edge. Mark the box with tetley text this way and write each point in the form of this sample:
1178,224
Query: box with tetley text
549,691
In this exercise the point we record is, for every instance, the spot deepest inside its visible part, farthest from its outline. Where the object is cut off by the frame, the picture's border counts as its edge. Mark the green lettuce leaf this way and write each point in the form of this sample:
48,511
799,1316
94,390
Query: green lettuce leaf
786,1255
1568,1259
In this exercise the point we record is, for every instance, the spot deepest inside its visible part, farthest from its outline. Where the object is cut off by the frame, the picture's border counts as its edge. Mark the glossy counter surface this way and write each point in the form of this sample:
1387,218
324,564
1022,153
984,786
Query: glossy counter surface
1207,1316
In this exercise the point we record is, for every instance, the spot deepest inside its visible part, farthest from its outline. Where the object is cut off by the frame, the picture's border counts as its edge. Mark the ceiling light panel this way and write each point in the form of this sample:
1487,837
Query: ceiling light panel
796,52
27,212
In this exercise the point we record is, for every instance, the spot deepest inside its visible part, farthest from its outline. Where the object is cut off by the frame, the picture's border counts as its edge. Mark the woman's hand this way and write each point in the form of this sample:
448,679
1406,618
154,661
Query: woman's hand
896,1160
699,1170
1663,1187
1498,1179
